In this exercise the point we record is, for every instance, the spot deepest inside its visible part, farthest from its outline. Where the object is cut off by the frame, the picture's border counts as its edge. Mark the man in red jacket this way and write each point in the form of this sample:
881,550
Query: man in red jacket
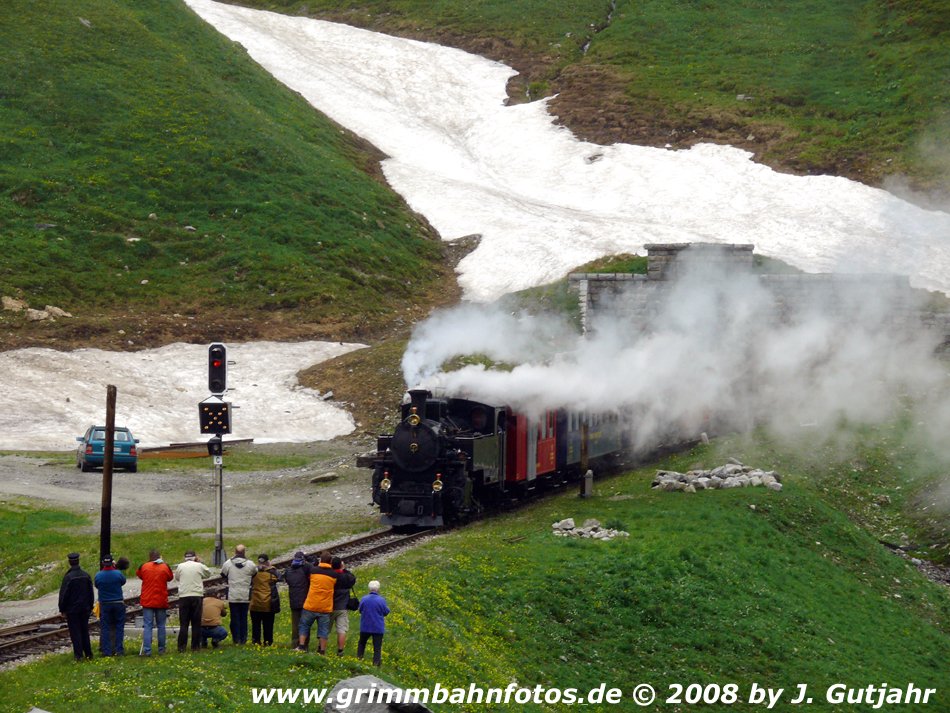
155,576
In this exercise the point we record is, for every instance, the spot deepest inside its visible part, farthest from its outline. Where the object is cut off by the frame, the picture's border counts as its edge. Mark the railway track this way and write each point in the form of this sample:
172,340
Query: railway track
49,633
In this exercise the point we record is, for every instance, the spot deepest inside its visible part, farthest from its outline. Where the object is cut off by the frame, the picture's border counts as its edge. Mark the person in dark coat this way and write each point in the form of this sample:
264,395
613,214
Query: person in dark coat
340,618
76,599
297,576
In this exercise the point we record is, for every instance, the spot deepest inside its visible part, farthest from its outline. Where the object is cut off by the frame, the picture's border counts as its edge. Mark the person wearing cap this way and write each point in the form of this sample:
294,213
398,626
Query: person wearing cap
190,576
109,581
265,601
239,572
155,575
340,616
297,577
373,613
75,603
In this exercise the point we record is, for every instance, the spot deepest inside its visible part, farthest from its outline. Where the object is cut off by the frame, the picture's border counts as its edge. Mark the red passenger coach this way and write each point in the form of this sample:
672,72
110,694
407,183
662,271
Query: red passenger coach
532,447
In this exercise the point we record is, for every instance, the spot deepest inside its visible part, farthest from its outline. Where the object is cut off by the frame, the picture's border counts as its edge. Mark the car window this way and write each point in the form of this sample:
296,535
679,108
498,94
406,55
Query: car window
122,436
98,435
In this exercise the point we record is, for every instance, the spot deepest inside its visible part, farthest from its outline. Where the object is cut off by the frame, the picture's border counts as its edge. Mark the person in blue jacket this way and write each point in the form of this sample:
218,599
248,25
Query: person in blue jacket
373,611
109,581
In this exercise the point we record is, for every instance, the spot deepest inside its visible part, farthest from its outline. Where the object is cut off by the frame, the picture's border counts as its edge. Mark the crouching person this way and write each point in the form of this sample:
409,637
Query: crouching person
212,609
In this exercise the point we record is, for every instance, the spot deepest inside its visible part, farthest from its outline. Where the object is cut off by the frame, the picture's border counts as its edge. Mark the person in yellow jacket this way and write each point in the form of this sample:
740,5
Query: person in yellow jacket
265,601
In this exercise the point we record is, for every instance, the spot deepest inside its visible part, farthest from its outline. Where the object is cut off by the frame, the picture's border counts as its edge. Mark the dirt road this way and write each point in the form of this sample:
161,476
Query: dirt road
179,498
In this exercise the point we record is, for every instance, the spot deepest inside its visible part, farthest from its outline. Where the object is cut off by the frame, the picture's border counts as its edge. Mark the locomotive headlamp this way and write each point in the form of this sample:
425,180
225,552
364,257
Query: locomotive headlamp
414,419
385,484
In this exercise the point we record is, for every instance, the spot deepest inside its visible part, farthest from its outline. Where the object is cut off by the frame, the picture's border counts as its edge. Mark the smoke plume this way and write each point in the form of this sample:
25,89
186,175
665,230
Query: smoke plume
715,348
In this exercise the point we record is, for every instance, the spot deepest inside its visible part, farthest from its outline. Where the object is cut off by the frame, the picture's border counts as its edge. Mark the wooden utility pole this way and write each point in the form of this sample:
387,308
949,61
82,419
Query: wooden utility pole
105,523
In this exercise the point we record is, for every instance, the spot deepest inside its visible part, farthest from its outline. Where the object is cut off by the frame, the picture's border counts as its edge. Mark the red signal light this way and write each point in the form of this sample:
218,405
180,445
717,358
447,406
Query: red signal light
217,368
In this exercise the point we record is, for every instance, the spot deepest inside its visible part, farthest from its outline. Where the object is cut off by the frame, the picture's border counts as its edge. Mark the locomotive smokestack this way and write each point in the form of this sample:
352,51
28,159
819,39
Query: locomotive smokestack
418,398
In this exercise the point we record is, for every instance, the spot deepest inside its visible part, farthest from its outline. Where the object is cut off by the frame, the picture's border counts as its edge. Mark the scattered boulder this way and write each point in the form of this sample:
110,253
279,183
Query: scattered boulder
325,478
730,475
13,304
56,311
591,529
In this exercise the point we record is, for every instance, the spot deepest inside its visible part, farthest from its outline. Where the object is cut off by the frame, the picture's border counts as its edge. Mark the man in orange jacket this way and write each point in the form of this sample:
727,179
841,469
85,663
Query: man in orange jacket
319,603
155,576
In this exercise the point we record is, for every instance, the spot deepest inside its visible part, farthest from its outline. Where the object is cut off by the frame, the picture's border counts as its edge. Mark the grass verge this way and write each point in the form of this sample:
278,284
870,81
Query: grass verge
706,590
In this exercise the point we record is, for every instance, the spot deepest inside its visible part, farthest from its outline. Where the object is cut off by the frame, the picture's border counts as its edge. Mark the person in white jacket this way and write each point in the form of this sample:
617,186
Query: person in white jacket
239,571
190,576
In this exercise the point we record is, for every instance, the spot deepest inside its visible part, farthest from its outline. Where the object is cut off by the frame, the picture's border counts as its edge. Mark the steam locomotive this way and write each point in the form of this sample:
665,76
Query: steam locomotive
450,459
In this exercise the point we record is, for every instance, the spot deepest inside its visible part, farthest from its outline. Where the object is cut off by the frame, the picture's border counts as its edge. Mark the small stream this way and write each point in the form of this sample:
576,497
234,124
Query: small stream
612,8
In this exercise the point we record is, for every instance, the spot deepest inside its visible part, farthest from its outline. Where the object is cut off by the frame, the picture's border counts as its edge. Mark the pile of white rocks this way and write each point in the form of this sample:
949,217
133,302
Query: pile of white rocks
730,475
591,529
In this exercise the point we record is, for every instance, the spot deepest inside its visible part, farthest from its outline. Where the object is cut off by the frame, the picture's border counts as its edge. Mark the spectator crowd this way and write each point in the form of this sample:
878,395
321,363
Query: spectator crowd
319,592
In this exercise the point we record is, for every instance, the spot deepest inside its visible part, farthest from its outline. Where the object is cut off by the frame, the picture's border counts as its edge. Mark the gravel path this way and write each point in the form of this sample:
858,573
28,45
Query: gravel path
177,498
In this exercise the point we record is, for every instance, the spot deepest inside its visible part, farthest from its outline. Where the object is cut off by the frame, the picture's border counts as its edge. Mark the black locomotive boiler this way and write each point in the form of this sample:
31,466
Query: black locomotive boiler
451,458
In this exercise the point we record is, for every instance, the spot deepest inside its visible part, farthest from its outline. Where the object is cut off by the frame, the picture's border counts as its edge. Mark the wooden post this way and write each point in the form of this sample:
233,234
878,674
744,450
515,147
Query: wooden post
105,522
585,433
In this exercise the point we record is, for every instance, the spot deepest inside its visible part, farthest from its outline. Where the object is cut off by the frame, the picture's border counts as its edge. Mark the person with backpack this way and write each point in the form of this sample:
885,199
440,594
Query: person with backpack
265,601
297,577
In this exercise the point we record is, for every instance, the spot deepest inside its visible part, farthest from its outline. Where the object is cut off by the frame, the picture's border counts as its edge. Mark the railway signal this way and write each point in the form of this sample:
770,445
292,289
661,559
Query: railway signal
217,369
215,446
214,419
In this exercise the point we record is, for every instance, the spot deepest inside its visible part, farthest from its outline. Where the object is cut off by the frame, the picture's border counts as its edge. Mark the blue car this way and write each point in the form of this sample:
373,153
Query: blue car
89,455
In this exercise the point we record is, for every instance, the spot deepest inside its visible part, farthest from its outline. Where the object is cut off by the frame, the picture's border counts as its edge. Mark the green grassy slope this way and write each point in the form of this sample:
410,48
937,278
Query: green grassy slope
706,590
112,112
856,88
851,84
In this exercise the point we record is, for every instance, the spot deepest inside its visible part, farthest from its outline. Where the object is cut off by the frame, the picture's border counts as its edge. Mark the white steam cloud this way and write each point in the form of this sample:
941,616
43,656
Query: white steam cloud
714,348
